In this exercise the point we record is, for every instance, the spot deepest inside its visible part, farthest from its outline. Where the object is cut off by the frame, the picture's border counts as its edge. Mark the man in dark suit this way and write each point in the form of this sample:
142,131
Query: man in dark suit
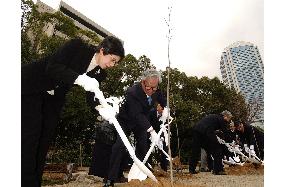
251,136
204,136
133,117
45,84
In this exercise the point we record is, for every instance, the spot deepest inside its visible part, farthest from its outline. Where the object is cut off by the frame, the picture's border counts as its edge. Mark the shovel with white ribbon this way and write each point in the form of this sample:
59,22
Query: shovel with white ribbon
252,156
135,171
234,149
108,112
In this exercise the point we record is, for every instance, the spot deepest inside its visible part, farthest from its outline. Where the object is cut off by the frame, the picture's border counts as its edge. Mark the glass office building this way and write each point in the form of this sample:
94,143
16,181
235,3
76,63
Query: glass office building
242,69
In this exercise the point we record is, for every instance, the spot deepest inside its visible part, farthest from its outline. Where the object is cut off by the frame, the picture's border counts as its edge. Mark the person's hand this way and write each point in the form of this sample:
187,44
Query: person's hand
88,83
154,136
251,147
246,148
160,143
237,148
165,114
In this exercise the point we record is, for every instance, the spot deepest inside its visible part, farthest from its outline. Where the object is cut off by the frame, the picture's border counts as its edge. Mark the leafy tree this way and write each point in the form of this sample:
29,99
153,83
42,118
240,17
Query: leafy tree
191,99
26,6
254,109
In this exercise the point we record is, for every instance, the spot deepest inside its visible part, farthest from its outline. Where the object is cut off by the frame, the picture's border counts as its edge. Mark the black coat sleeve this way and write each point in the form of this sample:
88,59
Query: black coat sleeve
59,68
252,134
161,99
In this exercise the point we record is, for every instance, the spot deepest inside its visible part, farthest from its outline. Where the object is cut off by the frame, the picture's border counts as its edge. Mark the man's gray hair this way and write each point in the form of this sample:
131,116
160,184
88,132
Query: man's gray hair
151,73
227,113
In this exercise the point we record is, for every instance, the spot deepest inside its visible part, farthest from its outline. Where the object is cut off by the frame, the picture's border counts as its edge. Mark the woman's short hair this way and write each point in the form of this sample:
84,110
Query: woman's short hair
112,45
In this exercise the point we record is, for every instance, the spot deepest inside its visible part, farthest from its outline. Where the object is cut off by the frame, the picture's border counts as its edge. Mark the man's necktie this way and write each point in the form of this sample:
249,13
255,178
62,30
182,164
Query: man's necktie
149,100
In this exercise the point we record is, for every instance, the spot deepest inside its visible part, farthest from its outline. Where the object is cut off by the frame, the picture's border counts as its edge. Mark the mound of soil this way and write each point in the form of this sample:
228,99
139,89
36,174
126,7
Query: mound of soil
246,169
237,176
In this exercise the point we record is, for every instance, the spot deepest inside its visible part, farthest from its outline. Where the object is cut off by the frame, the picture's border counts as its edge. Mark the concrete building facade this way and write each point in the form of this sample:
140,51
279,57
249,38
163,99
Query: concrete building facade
80,20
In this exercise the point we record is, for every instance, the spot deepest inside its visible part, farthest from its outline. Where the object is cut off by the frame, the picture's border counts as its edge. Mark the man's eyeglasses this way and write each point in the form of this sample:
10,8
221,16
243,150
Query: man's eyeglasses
150,88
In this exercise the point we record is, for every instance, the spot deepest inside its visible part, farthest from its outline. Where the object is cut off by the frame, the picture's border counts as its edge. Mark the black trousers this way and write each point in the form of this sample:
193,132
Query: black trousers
211,146
39,118
163,158
100,159
160,156
119,151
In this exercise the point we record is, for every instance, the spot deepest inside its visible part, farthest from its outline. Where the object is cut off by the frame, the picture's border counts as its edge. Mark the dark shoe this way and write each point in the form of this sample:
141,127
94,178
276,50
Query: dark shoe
219,173
204,170
122,180
165,168
192,172
109,183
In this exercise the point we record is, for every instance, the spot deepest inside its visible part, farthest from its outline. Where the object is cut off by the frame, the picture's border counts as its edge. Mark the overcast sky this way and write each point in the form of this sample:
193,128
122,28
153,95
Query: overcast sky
200,29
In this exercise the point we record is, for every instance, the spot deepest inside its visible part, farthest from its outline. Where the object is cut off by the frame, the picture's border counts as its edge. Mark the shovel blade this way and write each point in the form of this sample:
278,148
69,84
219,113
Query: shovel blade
143,169
136,173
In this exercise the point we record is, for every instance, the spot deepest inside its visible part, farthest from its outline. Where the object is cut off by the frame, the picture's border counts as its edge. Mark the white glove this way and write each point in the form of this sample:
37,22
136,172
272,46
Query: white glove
237,159
106,111
232,160
164,116
91,85
251,147
154,136
88,83
237,148
165,132
246,148
160,144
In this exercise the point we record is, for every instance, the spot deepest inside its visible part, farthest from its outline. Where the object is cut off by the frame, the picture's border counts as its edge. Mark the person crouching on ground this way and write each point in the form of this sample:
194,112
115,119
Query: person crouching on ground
204,136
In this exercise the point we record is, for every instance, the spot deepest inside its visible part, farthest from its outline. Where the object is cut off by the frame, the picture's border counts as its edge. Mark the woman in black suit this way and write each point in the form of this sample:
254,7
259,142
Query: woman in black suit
45,84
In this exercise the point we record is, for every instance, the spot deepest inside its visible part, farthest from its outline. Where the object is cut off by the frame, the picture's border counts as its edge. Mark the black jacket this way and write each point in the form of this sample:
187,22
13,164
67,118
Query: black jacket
135,111
230,136
251,136
209,124
59,71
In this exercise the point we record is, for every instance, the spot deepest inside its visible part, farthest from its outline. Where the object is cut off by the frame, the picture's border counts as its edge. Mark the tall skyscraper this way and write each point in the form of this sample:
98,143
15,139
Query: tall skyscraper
242,68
